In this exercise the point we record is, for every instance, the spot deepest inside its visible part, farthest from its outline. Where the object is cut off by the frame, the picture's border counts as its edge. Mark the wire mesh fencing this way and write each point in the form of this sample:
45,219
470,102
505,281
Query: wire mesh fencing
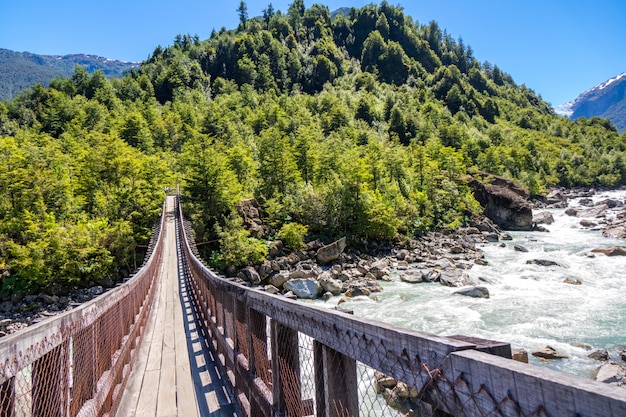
76,363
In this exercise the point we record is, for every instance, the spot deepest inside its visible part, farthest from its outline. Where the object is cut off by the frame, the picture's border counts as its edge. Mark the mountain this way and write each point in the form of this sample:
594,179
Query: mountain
606,100
21,70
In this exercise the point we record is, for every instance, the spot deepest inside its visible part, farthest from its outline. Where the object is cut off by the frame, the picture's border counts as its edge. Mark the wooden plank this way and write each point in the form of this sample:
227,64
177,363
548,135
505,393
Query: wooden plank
147,403
185,392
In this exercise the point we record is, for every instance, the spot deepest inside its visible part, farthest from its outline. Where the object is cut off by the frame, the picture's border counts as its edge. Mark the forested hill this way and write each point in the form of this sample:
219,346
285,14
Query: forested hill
21,70
363,125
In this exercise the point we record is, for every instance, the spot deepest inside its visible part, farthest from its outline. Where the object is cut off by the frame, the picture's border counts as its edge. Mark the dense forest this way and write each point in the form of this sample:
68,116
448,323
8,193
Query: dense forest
21,70
362,125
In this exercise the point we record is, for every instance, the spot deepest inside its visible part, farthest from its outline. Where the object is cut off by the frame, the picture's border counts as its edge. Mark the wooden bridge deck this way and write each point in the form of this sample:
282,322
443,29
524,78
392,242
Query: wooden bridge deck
175,373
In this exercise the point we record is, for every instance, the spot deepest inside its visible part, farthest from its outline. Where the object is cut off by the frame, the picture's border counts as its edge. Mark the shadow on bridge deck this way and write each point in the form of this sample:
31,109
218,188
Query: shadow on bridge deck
176,371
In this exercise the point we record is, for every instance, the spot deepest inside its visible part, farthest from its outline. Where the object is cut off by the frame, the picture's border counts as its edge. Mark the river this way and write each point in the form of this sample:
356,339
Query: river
529,306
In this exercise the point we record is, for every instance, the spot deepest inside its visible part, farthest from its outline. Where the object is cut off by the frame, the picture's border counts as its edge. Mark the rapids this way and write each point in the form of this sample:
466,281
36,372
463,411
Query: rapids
529,306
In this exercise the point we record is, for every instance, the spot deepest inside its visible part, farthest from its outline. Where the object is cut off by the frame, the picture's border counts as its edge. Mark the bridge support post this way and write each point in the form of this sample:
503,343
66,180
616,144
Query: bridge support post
335,383
286,382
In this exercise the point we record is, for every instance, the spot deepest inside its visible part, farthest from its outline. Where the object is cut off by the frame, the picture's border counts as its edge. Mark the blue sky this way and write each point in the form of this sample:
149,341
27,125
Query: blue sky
558,48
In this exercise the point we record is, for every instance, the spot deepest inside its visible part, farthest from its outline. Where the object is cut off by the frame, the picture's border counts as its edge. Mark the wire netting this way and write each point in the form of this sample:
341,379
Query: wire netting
76,364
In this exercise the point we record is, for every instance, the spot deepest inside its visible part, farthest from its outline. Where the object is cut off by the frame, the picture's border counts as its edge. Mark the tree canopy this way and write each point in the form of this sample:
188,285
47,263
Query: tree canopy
360,125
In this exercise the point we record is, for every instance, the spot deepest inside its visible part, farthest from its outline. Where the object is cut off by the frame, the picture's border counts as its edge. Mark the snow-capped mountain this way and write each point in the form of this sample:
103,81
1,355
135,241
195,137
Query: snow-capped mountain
607,100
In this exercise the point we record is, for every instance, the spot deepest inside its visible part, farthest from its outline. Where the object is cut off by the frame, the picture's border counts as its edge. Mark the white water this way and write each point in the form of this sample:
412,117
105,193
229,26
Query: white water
529,306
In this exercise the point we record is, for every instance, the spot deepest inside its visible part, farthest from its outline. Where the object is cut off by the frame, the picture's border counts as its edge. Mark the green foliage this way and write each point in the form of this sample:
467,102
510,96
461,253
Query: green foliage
292,235
237,248
362,124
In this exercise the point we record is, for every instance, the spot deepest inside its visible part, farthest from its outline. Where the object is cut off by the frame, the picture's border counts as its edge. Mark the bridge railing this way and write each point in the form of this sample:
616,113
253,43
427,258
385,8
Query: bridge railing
77,363
287,358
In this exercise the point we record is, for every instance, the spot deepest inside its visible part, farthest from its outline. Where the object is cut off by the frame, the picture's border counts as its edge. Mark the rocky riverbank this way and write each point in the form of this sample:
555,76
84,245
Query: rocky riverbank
19,312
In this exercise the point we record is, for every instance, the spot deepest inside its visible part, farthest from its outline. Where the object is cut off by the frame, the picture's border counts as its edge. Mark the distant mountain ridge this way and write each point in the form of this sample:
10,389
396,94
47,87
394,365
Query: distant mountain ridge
21,70
606,100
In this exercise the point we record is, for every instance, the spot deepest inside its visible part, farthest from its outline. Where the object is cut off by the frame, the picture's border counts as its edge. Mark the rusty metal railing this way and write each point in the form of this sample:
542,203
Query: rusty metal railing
285,358
77,363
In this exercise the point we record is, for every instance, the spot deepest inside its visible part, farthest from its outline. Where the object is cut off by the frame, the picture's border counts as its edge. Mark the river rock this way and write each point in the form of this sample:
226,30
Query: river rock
520,248
327,254
520,355
555,197
610,203
270,289
572,212
588,223
430,275
548,353
622,355
301,272
454,278
412,277
615,232
249,274
611,373
331,285
504,201
572,281
599,355
308,288
611,251
475,292
544,217
542,262
250,211
278,279
492,237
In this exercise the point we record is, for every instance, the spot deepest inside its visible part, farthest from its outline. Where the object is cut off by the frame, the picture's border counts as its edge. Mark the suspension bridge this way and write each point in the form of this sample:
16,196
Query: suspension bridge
178,340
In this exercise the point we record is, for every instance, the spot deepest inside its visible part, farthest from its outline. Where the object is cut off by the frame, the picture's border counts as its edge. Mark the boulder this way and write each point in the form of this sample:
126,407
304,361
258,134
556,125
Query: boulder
270,289
250,212
300,272
542,262
572,281
548,353
615,232
622,355
308,288
588,223
520,355
412,277
492,237
331,285
555,196
327,254
454,278
278,279
249,274
599,355
505,201
610,373
475,292
611,251
610,203
544,217
572,212
520,248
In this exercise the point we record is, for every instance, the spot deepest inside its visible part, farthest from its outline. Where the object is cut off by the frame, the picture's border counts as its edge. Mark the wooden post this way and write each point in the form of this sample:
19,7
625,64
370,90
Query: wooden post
286,383
336,389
